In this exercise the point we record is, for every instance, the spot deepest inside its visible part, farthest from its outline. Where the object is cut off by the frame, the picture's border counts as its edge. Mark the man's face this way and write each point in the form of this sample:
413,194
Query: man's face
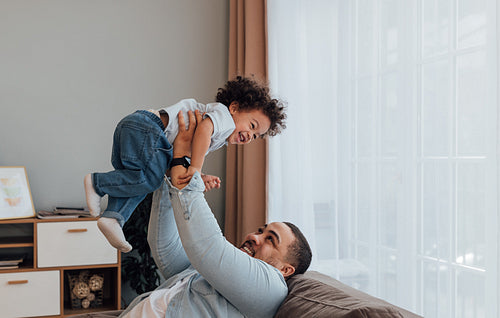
270,244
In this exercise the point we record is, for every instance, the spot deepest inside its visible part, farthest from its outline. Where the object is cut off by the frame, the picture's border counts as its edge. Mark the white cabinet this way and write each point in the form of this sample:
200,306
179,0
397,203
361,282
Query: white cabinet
54,251
73,244
28,294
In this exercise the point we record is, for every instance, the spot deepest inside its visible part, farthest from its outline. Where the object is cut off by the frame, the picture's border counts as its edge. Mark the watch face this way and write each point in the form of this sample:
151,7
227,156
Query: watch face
185,163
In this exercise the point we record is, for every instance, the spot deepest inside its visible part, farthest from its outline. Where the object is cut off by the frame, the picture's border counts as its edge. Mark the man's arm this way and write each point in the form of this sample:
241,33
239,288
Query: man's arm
254,287
163,238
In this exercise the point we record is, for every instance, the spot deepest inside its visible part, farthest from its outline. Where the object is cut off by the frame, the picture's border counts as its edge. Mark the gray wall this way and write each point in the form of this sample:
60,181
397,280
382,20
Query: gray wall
70,70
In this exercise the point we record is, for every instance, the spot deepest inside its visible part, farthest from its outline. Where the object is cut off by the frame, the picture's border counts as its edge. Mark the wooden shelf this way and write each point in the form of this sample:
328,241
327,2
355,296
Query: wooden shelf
12,242
17,221
37,220
22,268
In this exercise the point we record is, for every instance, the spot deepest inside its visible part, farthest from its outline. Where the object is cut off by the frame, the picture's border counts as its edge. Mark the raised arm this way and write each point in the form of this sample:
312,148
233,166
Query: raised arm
253,286
163,238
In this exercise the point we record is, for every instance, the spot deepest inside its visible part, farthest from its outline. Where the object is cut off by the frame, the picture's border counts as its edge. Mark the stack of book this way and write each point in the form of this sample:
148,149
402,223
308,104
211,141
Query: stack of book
62,212
10,263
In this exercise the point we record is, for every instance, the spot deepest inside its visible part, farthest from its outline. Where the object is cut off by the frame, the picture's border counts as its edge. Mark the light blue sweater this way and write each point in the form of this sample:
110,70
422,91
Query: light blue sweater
224,281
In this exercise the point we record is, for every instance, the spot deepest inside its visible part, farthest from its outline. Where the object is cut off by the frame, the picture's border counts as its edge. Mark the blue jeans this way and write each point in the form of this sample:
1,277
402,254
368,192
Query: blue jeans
141,155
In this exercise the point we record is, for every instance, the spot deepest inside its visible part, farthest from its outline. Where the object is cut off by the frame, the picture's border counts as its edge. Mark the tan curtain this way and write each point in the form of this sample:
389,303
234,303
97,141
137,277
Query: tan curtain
246,170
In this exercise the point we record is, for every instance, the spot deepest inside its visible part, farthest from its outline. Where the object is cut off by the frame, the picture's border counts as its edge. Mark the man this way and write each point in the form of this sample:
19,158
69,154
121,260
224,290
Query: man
206,276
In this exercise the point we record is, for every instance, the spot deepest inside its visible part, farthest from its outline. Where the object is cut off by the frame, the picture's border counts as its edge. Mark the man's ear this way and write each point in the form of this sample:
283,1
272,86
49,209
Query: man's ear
287,270
233,108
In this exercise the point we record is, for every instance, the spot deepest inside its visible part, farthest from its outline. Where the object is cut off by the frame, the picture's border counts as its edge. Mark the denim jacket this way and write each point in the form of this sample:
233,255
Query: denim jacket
222,280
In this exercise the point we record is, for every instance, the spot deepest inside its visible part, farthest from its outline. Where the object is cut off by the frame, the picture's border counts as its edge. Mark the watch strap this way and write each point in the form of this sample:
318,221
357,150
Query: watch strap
183,161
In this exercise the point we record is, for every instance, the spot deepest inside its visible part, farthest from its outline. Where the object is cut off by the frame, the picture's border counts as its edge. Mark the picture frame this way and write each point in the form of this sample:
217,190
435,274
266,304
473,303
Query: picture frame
15,194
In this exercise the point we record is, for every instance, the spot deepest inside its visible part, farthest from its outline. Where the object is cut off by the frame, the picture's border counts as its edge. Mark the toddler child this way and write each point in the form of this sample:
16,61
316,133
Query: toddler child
142,151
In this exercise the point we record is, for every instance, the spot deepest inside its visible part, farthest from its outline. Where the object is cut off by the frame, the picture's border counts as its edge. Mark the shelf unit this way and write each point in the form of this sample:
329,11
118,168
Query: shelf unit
55,248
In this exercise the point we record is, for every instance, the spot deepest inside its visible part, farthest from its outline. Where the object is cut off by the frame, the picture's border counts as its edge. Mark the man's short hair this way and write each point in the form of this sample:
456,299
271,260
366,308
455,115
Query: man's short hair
299,253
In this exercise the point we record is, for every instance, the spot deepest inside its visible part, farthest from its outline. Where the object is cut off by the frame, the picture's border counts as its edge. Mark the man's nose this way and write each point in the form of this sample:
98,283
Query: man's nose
256,239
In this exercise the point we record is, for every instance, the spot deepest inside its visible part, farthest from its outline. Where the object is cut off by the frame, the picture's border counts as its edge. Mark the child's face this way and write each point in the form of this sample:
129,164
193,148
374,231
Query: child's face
249,125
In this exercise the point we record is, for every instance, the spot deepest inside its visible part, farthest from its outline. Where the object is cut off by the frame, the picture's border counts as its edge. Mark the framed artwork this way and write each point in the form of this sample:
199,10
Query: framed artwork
15,194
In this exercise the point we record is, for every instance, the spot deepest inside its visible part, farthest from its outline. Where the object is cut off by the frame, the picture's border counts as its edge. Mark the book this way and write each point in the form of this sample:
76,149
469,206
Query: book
9,267
10,262
63,212
63,209
68,208
54,215
71,211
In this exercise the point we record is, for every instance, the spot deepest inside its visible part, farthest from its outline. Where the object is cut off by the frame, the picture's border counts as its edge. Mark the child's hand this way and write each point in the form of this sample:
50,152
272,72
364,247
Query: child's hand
211,182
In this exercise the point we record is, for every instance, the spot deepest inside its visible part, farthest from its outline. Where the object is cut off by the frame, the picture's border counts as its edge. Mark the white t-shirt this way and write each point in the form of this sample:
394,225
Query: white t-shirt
155,305
218,113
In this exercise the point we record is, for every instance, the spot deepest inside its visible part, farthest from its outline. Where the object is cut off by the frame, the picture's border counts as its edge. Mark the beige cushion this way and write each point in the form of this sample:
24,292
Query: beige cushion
317,295
314,295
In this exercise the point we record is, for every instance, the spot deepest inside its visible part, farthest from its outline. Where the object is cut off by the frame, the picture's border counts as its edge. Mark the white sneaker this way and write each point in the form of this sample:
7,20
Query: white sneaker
93,199
114,233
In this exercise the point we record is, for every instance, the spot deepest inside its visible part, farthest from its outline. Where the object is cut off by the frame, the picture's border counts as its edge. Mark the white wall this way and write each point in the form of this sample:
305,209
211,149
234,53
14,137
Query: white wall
70,70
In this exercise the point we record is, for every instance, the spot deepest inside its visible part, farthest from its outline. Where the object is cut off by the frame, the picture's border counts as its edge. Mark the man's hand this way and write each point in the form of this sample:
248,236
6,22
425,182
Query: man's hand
182,146
186,177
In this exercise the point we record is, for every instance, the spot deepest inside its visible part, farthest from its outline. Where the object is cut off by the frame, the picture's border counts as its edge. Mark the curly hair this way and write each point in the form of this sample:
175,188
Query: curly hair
251,95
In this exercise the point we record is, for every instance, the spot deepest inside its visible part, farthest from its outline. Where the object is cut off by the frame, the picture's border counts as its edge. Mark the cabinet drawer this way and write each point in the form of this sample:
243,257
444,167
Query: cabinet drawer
73,244
30,294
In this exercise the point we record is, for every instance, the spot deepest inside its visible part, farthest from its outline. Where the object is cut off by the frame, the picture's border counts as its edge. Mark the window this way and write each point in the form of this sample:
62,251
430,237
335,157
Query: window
390,160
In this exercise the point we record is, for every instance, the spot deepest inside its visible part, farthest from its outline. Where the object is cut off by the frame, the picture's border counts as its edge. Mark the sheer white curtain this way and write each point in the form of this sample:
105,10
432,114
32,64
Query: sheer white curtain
390,160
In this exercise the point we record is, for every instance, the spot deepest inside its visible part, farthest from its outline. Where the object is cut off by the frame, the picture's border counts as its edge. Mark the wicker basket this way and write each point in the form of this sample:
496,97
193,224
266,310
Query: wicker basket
86,289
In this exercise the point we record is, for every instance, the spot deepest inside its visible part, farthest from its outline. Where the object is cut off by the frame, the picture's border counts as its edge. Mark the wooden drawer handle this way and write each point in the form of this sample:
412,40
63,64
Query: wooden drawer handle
77,230
17,282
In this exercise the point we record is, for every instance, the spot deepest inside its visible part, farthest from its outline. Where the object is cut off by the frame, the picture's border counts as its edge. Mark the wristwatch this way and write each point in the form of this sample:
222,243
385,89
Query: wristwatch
183,161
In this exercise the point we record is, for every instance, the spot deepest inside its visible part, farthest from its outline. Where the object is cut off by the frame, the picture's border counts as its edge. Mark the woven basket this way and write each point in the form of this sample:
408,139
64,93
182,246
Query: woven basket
86,289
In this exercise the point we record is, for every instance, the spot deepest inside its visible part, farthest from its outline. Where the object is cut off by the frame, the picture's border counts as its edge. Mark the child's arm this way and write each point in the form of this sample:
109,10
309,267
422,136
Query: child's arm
201,142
